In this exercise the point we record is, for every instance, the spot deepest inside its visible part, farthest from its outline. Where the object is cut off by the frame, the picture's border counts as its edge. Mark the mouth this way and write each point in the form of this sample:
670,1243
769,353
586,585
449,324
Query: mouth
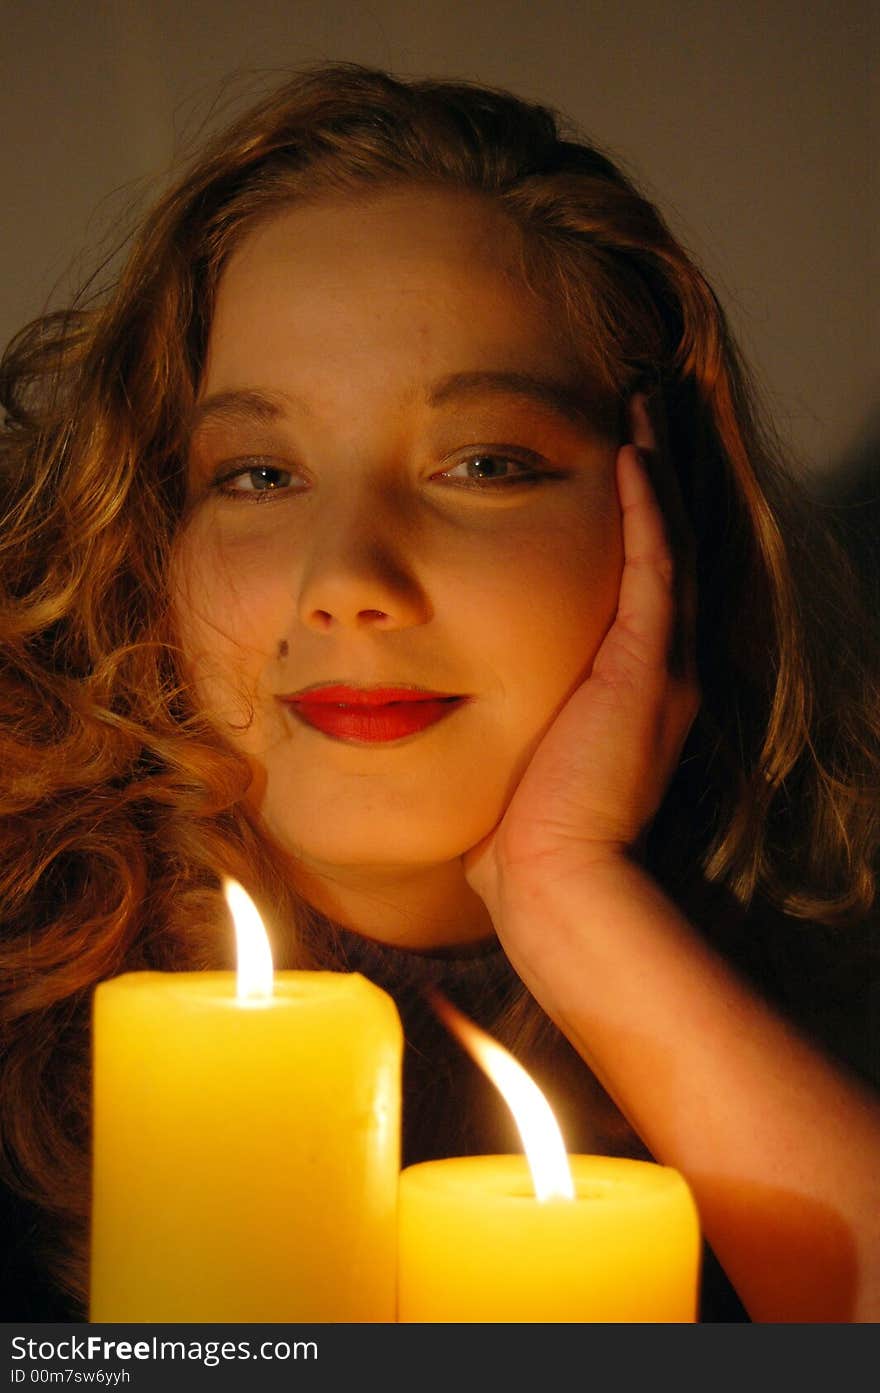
370,715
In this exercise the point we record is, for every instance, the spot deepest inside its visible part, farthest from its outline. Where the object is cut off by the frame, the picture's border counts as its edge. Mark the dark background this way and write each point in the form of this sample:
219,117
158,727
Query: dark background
754,126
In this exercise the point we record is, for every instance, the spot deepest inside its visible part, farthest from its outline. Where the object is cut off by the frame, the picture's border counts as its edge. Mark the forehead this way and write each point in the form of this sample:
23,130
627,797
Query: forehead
421,279
411,226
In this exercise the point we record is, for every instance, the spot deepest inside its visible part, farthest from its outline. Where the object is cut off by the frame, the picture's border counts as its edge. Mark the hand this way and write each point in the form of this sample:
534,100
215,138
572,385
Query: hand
601,770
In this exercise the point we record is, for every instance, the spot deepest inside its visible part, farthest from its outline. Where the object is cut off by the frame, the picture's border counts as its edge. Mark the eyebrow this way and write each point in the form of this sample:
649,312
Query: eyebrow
579,406
244,404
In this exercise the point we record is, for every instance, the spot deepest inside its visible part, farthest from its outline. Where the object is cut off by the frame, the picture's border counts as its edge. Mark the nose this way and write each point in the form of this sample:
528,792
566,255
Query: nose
357,575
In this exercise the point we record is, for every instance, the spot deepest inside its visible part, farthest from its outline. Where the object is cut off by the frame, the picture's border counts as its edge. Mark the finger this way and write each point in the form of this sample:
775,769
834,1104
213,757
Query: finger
642,630
647,431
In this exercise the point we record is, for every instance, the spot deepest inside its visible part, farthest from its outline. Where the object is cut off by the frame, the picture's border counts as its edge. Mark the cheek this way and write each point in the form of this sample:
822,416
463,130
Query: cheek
545,619
225,615
231,583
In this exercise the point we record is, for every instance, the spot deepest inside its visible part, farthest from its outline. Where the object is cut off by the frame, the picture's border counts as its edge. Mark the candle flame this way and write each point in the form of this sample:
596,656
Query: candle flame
255,976
538,1128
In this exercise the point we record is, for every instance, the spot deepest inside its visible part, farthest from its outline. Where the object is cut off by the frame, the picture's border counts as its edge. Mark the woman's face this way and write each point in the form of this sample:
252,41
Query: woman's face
397,492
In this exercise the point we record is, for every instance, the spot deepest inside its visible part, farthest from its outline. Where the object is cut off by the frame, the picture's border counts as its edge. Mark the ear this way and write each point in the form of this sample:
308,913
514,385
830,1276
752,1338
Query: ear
641,430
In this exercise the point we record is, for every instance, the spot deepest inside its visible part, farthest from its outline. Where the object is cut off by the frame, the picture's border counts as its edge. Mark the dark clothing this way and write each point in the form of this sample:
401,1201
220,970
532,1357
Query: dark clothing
26,1293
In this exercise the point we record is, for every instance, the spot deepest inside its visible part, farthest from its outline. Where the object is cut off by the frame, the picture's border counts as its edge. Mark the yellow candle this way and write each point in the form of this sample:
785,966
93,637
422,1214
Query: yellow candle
476,1245
246,1153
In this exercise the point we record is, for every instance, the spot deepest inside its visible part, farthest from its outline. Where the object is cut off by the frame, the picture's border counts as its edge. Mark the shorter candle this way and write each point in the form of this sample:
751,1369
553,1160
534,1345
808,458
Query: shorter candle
545,1236
476,1245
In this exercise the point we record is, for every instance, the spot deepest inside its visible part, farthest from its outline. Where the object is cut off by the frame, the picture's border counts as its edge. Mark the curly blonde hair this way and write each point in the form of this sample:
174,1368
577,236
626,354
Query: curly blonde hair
122,806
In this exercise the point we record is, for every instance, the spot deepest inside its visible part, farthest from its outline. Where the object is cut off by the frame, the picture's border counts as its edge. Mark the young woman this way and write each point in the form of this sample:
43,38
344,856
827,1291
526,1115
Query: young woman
399,535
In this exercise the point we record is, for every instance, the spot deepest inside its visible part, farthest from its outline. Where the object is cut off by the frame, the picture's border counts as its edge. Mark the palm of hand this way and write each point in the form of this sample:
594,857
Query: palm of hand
602,768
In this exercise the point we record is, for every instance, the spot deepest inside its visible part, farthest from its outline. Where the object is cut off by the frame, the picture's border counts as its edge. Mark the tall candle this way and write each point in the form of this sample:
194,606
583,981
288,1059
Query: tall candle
476,1244
246,1153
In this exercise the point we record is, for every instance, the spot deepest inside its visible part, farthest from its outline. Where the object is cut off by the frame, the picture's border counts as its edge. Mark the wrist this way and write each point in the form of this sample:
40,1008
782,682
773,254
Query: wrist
589,876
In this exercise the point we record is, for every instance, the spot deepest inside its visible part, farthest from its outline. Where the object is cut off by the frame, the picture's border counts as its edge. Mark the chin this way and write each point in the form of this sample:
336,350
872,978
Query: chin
381,846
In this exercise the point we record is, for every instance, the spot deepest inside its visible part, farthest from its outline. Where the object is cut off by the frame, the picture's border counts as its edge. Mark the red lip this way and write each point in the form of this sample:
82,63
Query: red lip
370,714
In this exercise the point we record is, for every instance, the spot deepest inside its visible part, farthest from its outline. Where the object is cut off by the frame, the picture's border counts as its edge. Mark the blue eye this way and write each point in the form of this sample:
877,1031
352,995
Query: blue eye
492,469
255,480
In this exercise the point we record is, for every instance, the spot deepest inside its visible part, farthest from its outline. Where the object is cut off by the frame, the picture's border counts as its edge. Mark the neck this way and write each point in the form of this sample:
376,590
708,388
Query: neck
424,909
